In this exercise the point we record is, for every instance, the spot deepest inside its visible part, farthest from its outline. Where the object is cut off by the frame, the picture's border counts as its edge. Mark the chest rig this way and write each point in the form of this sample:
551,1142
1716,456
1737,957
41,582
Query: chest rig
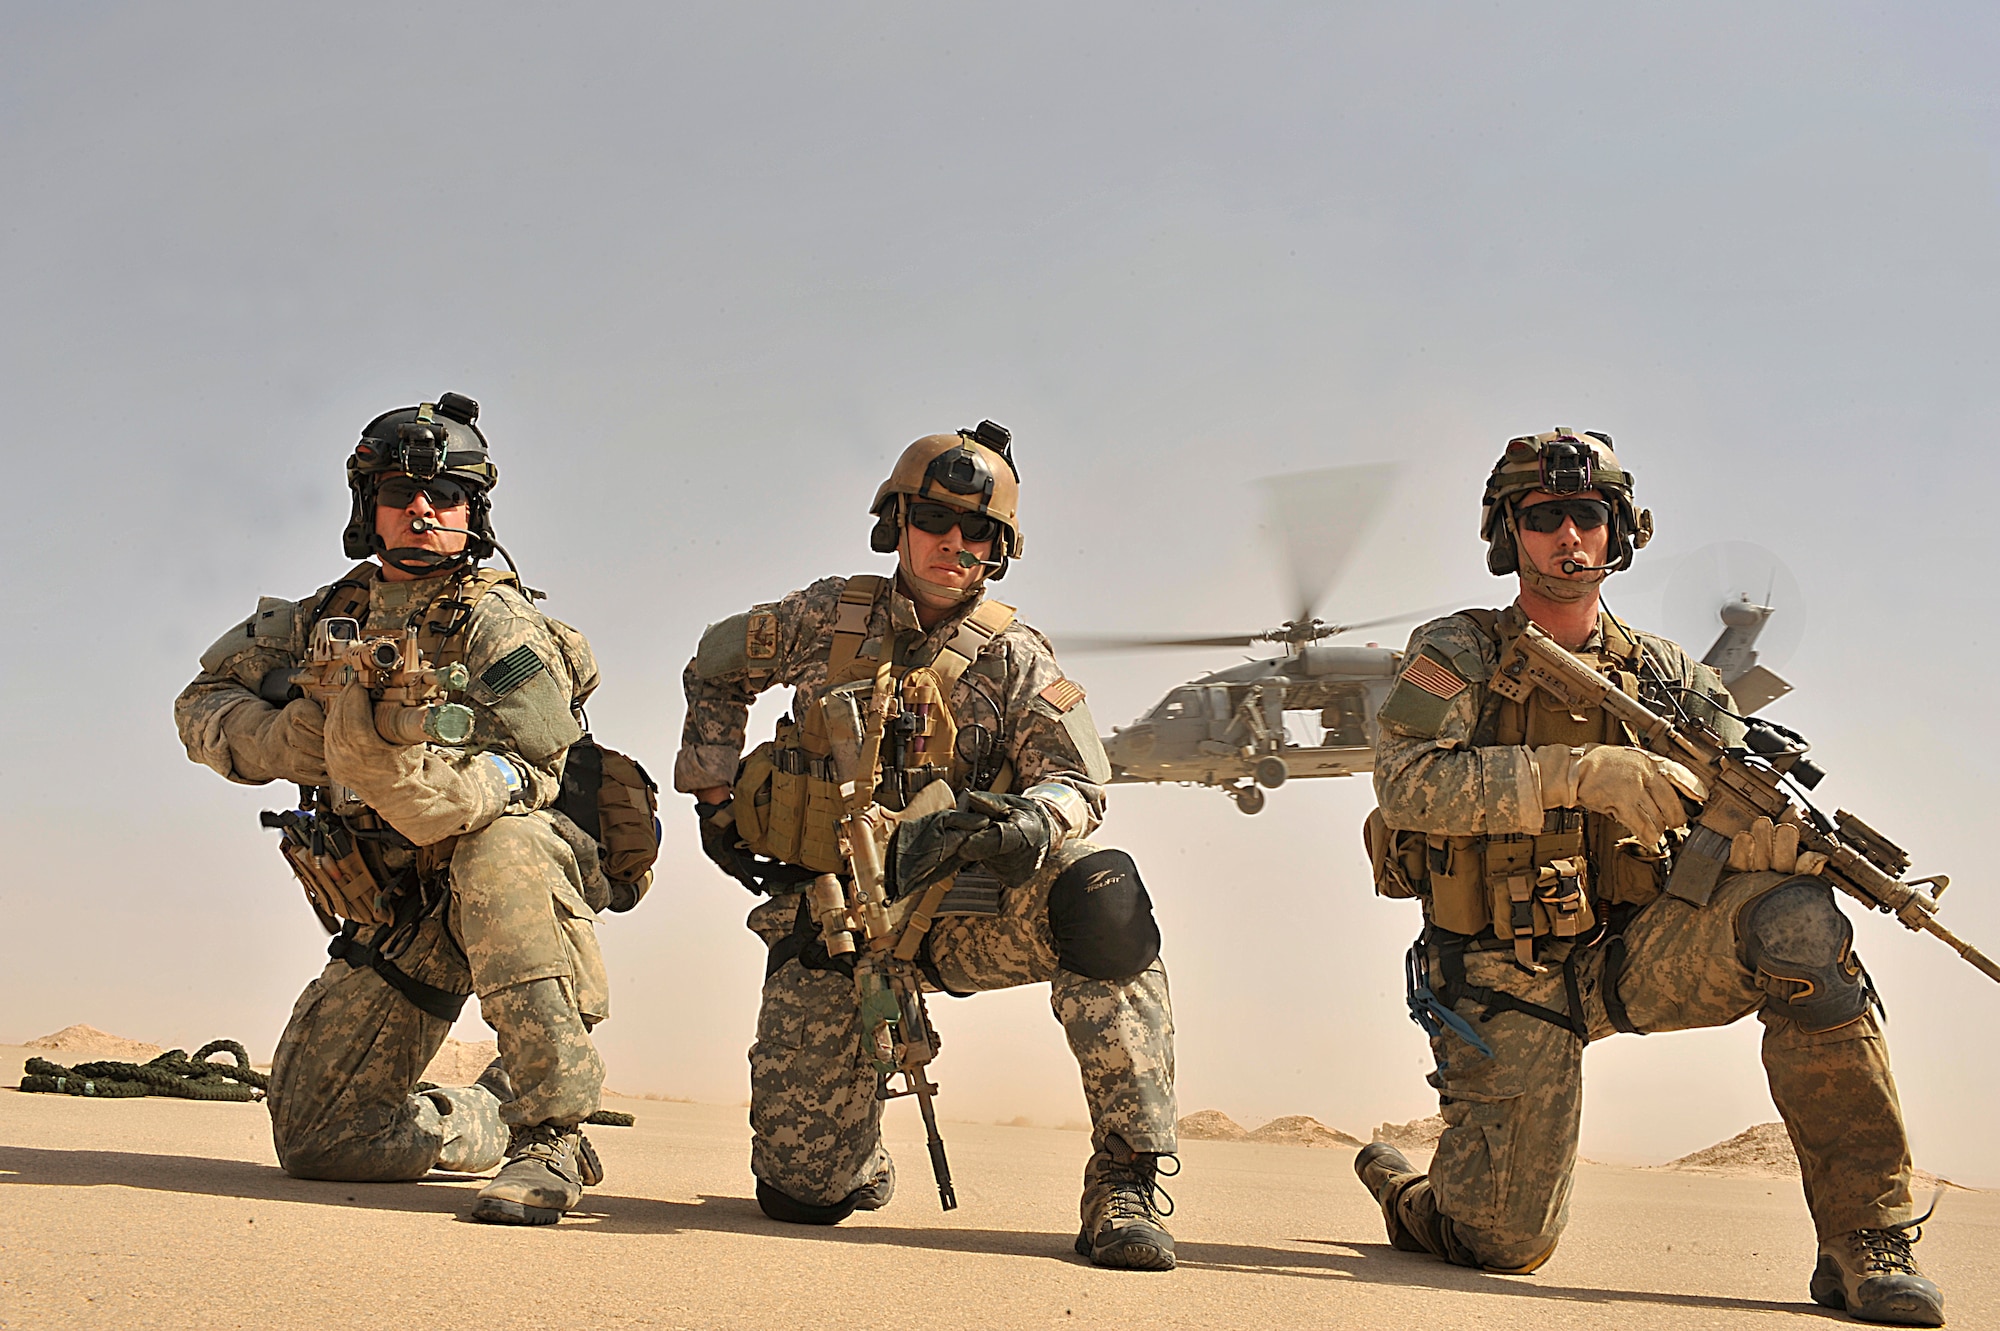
440,623
787,795
1557,882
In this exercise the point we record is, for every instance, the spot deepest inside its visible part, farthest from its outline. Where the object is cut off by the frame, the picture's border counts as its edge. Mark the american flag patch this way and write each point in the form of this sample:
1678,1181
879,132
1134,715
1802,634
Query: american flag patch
1437,680
1063,694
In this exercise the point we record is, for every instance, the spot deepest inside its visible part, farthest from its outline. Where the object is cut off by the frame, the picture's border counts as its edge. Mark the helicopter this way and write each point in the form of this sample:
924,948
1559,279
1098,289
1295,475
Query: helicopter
1238,729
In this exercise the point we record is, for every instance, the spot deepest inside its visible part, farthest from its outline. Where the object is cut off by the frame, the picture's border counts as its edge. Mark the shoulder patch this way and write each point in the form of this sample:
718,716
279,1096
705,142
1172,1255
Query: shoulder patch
760,636
511,671
1436,676
1424,694
1063,695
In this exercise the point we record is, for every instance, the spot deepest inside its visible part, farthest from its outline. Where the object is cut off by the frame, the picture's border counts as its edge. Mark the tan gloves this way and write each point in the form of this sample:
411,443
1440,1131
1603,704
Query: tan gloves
277,743
1640,789
426,795
1769,845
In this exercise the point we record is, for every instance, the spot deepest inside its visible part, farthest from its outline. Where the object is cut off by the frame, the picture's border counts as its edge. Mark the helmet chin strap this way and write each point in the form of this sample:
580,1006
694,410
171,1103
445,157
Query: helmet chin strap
415,560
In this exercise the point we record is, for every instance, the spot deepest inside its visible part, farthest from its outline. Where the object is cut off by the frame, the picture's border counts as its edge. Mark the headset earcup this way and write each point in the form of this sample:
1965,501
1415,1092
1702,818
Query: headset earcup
883,539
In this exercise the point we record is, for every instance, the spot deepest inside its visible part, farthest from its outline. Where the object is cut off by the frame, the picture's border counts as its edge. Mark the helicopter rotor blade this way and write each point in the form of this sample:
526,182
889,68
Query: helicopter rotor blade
1125,643
1319,519
1408,617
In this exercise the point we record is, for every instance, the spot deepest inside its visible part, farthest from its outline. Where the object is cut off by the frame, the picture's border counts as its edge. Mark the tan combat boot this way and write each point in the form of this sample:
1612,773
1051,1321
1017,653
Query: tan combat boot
1387,1174
1122,1210
546,1172
1872,1274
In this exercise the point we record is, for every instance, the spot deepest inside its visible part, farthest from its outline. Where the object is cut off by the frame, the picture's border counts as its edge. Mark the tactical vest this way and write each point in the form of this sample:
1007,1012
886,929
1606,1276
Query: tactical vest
1523,886
787,794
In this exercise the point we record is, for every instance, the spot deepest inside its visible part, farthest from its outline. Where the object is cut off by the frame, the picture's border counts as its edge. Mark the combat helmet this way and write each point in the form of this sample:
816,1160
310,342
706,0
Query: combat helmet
972,470
1560,461
431,439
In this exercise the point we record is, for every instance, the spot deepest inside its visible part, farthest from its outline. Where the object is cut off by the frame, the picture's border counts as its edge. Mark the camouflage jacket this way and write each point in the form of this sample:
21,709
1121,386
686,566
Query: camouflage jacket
1043,727
1434,775
527,672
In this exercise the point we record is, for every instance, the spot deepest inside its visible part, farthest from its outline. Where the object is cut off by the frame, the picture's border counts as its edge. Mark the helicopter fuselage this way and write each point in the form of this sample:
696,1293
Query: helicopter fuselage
1242,725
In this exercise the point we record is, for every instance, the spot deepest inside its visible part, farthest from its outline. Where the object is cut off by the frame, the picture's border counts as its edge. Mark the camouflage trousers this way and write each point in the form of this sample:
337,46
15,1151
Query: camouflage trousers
816,1123
1503,1167
516,931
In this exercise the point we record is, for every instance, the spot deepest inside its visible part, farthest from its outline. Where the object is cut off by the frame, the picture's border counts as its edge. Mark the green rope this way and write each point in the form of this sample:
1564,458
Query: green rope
171,1074
611,1118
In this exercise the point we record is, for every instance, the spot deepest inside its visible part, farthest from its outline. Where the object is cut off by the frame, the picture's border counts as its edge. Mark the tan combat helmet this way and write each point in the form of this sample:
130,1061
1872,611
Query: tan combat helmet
972,470
1560,461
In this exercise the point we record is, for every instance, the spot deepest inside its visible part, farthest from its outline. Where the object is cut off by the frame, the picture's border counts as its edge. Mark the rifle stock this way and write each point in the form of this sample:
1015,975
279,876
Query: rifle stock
1860,861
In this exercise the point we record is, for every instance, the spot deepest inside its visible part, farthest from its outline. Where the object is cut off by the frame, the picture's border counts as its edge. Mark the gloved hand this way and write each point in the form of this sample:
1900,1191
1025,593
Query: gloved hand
1009,834
278,743
426,795
1769,845
721,844
1640,789
928,847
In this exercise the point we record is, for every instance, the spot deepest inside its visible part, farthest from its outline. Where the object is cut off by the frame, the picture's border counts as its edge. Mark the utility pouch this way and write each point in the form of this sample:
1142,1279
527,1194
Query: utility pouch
328,864
610,796
1458,884
1395,857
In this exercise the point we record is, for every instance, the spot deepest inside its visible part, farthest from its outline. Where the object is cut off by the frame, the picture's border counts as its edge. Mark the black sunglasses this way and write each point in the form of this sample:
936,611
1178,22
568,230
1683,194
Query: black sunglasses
1589,514
401,491
937,519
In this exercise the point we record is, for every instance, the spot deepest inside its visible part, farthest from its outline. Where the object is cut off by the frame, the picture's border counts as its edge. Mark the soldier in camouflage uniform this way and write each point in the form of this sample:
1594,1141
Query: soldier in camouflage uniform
1053,908
1539,842
484,887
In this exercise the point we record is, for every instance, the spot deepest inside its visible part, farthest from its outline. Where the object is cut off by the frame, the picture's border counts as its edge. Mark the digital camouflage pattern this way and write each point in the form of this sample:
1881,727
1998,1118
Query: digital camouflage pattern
343,1096
817,1126
1503,1166
798,635
1430,776
516,930
816,1122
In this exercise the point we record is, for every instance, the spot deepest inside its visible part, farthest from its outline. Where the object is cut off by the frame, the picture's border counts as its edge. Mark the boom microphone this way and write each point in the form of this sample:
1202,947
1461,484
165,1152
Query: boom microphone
1569,565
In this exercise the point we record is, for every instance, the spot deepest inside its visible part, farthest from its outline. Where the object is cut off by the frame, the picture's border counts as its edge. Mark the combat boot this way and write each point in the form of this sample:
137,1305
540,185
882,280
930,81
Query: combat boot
1410,1214
547,1169
1123,1206
1874,1277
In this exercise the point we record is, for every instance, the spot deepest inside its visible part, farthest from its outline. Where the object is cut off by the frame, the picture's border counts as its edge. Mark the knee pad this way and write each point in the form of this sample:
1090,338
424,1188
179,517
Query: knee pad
1800,948
792,1211
1102,918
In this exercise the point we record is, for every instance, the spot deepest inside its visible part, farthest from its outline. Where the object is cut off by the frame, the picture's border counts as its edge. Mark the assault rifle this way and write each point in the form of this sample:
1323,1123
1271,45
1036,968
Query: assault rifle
897,1030
409,696
1743,785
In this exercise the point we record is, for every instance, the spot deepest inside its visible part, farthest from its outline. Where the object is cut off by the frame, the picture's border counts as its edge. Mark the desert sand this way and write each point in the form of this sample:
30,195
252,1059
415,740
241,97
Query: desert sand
154,1212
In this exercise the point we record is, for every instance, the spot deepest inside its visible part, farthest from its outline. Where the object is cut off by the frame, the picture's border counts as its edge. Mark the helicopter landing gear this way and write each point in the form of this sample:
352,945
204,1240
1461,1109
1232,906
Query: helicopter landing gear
1271,772
1248,798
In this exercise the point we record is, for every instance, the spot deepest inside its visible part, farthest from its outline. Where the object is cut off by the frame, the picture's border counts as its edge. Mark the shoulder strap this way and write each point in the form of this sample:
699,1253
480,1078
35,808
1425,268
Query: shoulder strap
987,622
850,619
346,599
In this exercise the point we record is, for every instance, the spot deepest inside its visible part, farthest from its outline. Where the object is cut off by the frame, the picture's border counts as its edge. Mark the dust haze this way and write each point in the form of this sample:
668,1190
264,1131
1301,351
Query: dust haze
708,269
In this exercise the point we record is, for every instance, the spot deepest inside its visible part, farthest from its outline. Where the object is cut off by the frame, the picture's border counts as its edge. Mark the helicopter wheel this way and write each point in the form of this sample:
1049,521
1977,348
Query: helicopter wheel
1271,772
1248,798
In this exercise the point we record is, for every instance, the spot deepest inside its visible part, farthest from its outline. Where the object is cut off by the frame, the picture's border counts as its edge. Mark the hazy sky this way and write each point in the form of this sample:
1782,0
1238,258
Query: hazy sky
708,268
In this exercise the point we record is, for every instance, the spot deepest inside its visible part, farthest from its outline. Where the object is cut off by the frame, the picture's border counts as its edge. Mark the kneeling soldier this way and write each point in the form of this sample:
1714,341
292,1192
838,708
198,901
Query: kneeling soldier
1536,835
438,858
986,775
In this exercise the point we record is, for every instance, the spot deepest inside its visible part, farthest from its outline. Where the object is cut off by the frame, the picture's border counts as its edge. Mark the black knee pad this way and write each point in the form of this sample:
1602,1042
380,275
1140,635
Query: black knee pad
1102,918
1801,949
785,1207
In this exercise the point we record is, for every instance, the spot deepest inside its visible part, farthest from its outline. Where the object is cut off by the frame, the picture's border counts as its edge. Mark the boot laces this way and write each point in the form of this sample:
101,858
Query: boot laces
1135,1191
545,1142
1886,1251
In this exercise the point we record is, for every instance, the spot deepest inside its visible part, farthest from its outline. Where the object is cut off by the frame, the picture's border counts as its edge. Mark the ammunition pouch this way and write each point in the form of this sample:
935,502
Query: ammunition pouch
788,801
